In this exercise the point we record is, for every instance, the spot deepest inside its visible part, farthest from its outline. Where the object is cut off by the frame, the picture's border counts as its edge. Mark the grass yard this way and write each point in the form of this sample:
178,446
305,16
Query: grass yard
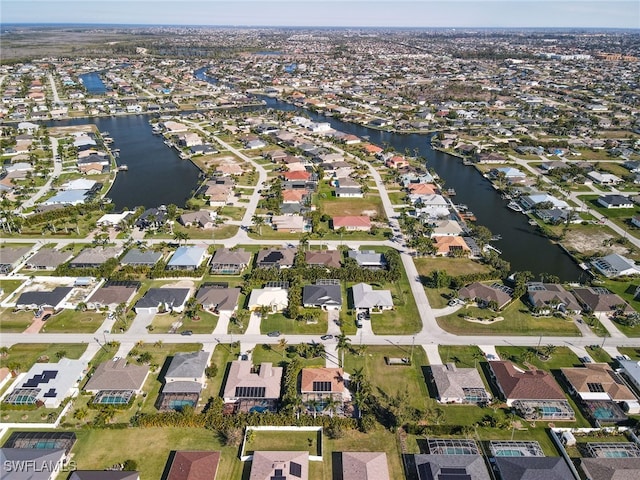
277,321
453,266
15,322
517,321
70,321
9,286
353,206
598,354
561,358
206,323
222,355
150,448
284,441
632,352
38,415
438,297
23,355
234,213
274,354
160,351
389,380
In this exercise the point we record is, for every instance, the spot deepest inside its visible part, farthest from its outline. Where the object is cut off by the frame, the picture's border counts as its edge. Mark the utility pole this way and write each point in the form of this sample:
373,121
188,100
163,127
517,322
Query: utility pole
413,342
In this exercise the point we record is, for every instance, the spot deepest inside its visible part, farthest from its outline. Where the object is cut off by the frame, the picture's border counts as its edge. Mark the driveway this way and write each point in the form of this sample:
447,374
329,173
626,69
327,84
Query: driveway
223,323
140,323
254,324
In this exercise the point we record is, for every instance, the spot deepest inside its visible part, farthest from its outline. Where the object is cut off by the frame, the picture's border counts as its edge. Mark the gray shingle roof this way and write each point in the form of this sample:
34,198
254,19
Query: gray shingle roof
364,296
117,375
48,258
220,298
103,475
611,468
40,298
135,256
156,296
187,365
40,469
321,295
533,468
430,466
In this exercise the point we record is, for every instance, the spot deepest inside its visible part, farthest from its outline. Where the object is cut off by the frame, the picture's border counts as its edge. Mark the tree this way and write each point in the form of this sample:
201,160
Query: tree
477,355
258,221
343,343
180,236
521,279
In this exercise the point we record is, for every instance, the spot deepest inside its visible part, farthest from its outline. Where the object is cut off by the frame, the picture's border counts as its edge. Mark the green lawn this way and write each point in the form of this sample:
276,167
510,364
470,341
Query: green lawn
15,322
70,321
24,355
453,266
274,354
277,321
353,206
222,355
160,351
150,448
38,415
284,441
438,297
598,355
561,358
9,286
632,352
517,321
388,380
205,323
234,213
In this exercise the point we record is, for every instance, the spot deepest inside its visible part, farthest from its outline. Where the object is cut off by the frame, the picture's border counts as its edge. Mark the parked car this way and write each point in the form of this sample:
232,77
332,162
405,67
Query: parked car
46,317
187,332
275,333
326,337
358,323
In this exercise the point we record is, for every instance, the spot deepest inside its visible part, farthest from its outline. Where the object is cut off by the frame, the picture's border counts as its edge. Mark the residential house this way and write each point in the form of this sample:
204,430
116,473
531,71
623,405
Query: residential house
600,300
550,297
187,258
219,195
230,261
326,294
604,178
600,468
485,295
152,218
273,257
156,300
533,393
112,294
40,299
349,192
320,384
352,223
193,465
218,298
446,228
323,258
94,257
276,299
365,466
419,190
509,174
525,468
451,246
187,367
529,202
631,371
615,201
202,218
117,376
11,257
459,385
280,465
141,258
490,157
368,259
31,463
615,265
397,162
288,223
599,387
372,301
449,466
48,384
253,389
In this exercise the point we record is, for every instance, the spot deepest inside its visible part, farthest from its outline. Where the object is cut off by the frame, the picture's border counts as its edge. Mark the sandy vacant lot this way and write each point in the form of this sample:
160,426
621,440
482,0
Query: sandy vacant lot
592,242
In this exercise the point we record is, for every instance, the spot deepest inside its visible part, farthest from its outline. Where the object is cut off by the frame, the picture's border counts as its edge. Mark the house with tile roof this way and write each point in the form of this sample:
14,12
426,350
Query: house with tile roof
323,258
352,223
280,465
194,465
118,375
365,466
247,386
450,246
230,261
459,385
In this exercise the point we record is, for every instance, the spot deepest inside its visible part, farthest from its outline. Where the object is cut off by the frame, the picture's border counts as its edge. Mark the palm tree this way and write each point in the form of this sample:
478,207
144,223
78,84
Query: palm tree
258,221
179,236
158,344
477,355
344,342
282,344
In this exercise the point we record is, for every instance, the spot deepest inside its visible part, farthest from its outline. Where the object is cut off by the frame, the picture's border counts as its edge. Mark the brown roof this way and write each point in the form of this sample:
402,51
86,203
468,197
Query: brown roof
484,292
599,300
329,258
611,468
194,465
365,466
113,295
222,298
265,464
527,385
299,175
293,195
598,373
360,221
117,375
333,375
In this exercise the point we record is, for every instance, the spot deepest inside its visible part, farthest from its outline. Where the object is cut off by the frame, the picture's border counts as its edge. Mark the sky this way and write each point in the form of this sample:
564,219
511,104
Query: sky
331,13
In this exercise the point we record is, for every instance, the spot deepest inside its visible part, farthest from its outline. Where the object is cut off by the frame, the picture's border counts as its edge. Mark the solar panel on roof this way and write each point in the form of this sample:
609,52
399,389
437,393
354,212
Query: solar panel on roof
250,392
295,469
51,393
424,472
321,386
595,387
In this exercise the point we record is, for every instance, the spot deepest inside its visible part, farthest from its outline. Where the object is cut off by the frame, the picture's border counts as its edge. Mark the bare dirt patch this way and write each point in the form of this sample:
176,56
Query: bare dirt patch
592,242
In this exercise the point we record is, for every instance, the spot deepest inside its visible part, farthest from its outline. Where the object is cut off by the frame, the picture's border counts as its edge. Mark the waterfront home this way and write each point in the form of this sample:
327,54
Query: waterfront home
281,465
485,295
275,257
219,195
369,259
529,202
202,218
114,219
615,201
546,298
421,190
230,261
365,466
509,174
112,294
600,300
352,223
556,216
451,246
408,179
459,385
325,294
67,197
174,127
489,158
218,298
156,300
252,389
11,257
366,299
446,228
397,162
48,384
43,259
615,265
192,465
533,393
189,139
141,258
152,218
187,258
323,258
276,299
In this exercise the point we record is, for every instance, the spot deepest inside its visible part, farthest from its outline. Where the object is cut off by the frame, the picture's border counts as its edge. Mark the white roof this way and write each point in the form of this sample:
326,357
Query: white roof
79,184
113,218
269,297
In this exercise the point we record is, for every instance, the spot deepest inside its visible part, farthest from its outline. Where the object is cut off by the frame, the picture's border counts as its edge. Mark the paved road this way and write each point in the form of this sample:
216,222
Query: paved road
57,170
54,90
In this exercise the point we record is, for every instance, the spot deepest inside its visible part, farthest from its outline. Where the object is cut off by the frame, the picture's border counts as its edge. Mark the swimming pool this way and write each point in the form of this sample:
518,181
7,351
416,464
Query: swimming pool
509,453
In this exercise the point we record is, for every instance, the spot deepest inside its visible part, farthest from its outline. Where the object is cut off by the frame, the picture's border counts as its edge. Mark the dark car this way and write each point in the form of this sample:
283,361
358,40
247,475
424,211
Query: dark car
326,337
46,317
187,332
273,334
